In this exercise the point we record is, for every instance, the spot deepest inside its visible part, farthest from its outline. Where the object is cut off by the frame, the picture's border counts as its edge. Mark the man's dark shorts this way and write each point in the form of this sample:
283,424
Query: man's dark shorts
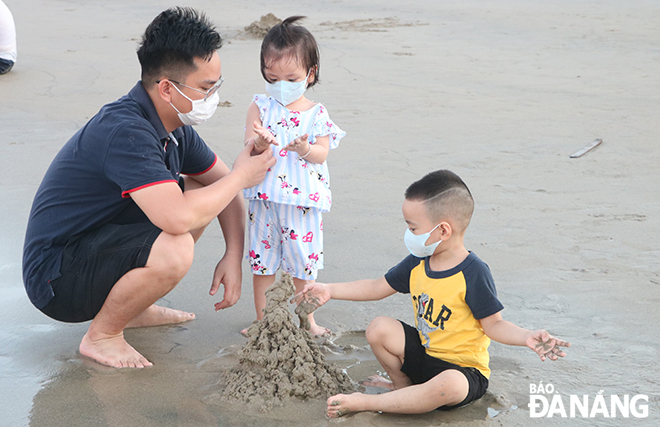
420,367
91,265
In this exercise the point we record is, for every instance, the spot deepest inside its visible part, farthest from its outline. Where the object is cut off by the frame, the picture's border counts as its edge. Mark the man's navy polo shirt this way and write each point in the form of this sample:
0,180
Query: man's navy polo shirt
124,148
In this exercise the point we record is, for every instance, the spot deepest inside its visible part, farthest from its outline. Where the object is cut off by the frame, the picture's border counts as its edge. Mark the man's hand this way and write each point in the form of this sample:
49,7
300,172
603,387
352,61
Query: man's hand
252,169
230,275
312,297
545,345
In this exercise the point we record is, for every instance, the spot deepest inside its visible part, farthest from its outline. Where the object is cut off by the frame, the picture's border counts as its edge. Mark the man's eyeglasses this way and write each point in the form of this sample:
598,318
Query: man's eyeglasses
208,93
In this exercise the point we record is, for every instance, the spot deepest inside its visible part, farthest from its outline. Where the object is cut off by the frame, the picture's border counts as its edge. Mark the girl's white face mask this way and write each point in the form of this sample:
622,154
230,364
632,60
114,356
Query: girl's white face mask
286,92
201,110
416,244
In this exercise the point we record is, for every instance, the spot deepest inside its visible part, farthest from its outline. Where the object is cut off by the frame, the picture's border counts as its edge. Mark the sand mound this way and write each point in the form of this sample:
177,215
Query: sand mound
282,361
258,29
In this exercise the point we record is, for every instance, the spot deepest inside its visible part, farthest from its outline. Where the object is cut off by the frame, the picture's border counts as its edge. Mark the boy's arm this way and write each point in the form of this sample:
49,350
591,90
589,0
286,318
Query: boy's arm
502,331
318,293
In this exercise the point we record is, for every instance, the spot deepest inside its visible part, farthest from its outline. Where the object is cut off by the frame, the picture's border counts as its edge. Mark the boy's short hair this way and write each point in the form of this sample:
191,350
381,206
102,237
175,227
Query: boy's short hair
172,41
293,41
445,195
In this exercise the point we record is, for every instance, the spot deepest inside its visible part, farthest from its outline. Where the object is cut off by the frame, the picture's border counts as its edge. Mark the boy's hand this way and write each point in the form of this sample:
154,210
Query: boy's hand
545,345
263,139
312,296
300,145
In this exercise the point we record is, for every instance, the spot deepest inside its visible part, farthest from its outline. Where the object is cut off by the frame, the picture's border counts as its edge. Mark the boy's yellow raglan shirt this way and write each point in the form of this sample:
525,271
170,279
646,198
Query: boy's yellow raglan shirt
448,305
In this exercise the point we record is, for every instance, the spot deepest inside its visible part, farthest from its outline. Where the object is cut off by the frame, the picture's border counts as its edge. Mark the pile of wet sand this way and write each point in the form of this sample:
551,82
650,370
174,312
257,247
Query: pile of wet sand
280,360
258,29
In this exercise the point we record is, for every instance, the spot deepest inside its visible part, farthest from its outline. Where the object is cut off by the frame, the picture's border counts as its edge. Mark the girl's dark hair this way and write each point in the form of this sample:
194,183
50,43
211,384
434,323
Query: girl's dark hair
290,40
172,41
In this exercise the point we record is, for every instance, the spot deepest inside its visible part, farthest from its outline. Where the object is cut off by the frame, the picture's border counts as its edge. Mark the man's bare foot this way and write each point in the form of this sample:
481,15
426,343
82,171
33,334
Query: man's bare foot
156,315
343,404
112,350
378,381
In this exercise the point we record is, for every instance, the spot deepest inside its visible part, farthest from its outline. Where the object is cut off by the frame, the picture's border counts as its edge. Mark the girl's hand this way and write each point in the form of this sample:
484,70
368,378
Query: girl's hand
300,145
263,139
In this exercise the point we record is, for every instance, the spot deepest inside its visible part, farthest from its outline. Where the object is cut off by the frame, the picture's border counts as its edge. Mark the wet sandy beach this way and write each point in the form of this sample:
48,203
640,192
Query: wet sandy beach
502,93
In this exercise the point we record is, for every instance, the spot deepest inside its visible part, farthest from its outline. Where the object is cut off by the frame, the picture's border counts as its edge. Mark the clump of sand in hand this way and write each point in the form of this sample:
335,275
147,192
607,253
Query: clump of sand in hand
280,360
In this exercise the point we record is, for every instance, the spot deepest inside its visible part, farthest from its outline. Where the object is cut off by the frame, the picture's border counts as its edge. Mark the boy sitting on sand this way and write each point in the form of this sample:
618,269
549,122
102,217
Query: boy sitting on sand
443,362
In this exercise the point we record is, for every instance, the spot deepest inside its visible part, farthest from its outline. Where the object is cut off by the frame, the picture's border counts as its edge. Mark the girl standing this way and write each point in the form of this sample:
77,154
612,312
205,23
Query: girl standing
285,210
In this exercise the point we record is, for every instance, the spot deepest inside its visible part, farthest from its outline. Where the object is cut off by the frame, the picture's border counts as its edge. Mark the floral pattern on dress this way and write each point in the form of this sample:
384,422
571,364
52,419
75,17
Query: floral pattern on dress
293,180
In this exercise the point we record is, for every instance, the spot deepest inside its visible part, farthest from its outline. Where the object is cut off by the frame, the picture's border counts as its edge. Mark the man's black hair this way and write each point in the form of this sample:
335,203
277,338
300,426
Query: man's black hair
173,40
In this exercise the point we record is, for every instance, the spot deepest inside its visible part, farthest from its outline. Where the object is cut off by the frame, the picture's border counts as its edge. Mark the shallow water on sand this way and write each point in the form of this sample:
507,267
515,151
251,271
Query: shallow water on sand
175,392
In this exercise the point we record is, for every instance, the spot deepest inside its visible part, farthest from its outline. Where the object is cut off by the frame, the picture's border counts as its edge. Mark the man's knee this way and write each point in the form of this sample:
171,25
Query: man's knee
172,255
187,183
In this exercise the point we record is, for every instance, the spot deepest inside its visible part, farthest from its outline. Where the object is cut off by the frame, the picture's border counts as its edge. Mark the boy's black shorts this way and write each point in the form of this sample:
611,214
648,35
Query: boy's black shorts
91,265
420,367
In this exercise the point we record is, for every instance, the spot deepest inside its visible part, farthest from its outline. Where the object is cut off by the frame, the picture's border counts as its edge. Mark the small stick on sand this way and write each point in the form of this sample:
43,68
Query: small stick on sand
584,150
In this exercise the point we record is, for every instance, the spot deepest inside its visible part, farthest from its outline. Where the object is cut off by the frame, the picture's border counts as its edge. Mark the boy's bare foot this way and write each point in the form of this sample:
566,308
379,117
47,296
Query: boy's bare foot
378,381
156,315
343,404
112,351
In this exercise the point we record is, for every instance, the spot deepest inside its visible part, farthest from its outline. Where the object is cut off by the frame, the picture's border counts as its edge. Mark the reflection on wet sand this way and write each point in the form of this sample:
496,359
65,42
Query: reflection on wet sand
176,391
88,394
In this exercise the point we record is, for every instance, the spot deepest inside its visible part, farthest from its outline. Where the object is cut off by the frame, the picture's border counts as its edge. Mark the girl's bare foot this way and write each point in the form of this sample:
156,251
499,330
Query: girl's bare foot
378,381
112,350
343,404
314,329
156,315
318,331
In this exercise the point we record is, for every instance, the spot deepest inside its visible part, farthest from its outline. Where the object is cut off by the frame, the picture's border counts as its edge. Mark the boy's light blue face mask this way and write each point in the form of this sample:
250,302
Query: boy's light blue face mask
286,92
416,244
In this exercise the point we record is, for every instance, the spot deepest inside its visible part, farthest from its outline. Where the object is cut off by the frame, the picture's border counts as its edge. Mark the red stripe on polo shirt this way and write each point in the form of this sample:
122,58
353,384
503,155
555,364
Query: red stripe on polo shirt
126,194
207,169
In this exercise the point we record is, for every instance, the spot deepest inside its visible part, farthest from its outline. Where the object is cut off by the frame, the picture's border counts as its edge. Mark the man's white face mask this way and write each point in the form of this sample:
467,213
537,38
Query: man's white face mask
202,109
